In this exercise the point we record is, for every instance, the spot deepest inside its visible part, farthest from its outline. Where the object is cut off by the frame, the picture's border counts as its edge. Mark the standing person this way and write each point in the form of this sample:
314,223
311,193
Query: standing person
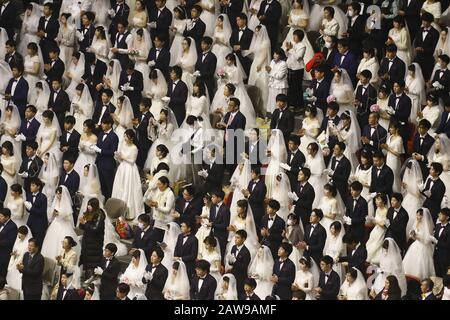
256,193
186,248
283,274
295,52
58,101
329,281
356,213
396,222
28,129
295,160
315,237
382,177
340,169
203,285
123,41
155,276
195,28
118,12
17,89
108,270
8,234
434,190
106,147
132,84
441,254
206,66
36,205
303,196
31,165
219,217
159,20
69,140
47,30
278,79
32,267
141,125
240,40
177,94
269,14
239,260
425,43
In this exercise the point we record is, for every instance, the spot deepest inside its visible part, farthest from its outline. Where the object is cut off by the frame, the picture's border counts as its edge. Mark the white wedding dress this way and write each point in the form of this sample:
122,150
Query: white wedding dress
221,47
376,237
86,155
133,277
18,213
311,127
14,277
394,162
412,198
261,269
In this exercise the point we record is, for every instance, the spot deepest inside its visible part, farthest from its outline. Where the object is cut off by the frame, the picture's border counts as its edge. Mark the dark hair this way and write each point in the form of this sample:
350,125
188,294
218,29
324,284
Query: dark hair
89,123
306,260
55,50
337,225
159,252
397,196
280,52
353,273
211,240
71,241
306,172
107,120
445,211
314,146
250,282
437,167
286,247
424,123
48,114
295,139
236,101
131,135
231,57
333,106
164,180
111,247
399,20
207,40
312,109
203,265
444,58
231,87
23,230
382,197
330,10
177,70
218,193
70,120
391,48
31,108
378,154
299,33
331,188
181,11
34,240
161,166
327,260
136,254
242,234
8,146
123,288
318,213
6,212
145,218
146,102
32,46
394,288
274,204
33,145
201,88
281,97
357,186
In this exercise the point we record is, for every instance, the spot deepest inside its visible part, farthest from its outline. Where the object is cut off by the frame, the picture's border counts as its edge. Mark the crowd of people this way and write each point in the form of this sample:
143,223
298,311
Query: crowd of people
263,149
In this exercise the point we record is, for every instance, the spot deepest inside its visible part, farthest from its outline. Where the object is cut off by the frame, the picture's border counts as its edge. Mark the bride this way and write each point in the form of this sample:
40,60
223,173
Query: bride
48,136
198,103
127,182
9,127
412,198
61,224
41,96
133,275
169,242
100,44
122,117
30,23
335,247
316,163
310,128
415,89
187,58
238,182
157,90
349,132
87,139
15,203
142,44
332,206
354,286
112,77
33,68
49,175
377,234
222,34
418,260
342,90
317,16
178,25
276,150
66,37
439,152
82,106
177,285
226,288
75,72
261,269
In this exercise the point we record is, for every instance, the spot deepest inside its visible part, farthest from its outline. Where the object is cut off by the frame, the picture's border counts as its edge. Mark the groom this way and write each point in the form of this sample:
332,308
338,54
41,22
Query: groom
106,147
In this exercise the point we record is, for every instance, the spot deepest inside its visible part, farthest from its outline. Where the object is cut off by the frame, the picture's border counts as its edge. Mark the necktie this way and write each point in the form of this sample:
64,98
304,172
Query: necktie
312,230
158,51
391,62
28,124
378,172
421,140
67,176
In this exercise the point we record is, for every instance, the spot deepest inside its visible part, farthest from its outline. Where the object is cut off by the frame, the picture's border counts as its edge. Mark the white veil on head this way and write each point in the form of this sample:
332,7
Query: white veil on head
137,272
171,236
359,286
86,100
231,293
125,114
178,282
90,185
427,224
260,42
445,44
353,139
113,74
50,172
3,39
191,55
391,263
262,264
412,176
345,83
277,146
241,177
54,125
63,205
444,149
5,71
108,40
418,76
159,89
338,239
42,98
23,243
14,121
305,8
226,28
32,20
145,38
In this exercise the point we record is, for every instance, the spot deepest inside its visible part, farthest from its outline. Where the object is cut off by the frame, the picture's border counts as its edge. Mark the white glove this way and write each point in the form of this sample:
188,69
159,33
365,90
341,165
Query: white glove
437,85
434,240
293,196
165,99
28,205
152,25
285,166
330,172
98,271
196,74
387,223
427,193
95,148
421,186
112,12
20,137
231,259
347,220
313,99
23,174
151,63
125,87
148,276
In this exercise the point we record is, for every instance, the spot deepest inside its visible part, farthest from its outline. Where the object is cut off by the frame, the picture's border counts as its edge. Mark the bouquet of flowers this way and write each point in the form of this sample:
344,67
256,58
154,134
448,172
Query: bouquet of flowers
133,52
375,108
330,99
221,73
123,228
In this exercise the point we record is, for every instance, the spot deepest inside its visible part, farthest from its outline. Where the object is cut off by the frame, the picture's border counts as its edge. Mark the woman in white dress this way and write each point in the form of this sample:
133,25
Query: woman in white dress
157,90
127,182
310,128
208,16
261,269
328,22
433,7
363,175
305,280
349,132
5,70
226,288
222,34
82,106
342,90
33,68
169,242
439,152
49,175
370,62
75,72
443,45
15,203
238,182
10,167
48,136
139,16
187,58
253,10
335,247
276,150
10,126
198,103
258,76
412,198
418,260
382,102
205,230
101,8
42,94
235,76
66,38
277,73
432,112
133,275
14,277
178,25
160,156
177,285
160,133
211,253
122,117
87,139
354,286
415,88
316,164
394,148
100,44
142,43
377,234
332,207
30,23
399,35
280,193
61,224
112,77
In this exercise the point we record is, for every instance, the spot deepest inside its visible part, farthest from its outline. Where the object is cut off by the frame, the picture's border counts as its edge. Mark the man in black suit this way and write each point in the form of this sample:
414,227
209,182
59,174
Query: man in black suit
233,9
212,172
122,41
70,138
122,292
422,144
219,217
272,227
131,84
12,57
108,270
8,16
31,165
401,104
315,237
31,268
103,108
140,125
107,144
239,260
155,276
187,207
159,55
256,194
392,68
28,128
365,97
283,273
70,179
329,281
195,27
48,28
441,256
249,288
425,43
303,196
282,118
118,13
58,101
357,254
396,222
36,205
356,28
86,34
440,83
66,291
177,91
94,72
160,20
17,90
331,121
241,38
54,68
426,287
203,285
444,125
205,66
186,248
382,177
356,212
255,148
411,11
8,235
373,134
295,160
320,88
433,190
340,169
269,14
144,236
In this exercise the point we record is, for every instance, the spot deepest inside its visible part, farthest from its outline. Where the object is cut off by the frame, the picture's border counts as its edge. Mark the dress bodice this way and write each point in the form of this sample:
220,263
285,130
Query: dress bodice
296,18
29,62
128,152
198,106
186,64
232,75
180,25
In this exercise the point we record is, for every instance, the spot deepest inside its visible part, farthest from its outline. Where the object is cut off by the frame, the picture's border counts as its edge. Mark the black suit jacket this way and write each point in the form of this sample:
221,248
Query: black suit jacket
256,199
285,123
3,191
51,31
357,212
37,220
156,285
72,183
422,147
425,58
303,205
240,266
273,15
95,78
188,213
8,236
245,40
442,249
207,69
32,274
275,237
74,140
220,221
163,22
330,289
71,294
286,277
215,176
315,241
341,174
146,242
383,182
178,97
8,19
137,82
207,290
87,39
378,137
321,92
14,59
297,161
196,32
257,156
30,132
397,227
403,109
121,14
356,259
332,140
33,171
187,252
62,103
109,279
365,100
98,111
55,72
433,202
444,125
396,72
163,61
232,10
357,34
20,96
444,80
